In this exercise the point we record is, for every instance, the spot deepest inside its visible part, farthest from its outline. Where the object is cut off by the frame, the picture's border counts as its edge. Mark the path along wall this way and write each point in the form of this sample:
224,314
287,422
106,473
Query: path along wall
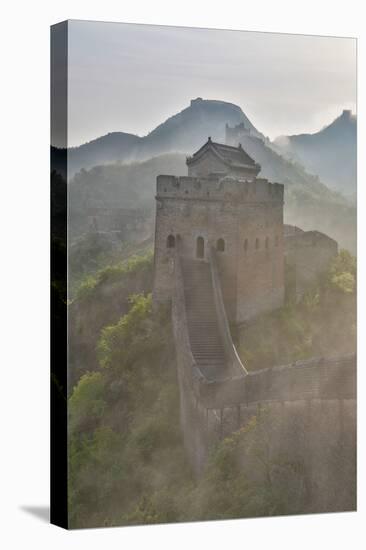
310,412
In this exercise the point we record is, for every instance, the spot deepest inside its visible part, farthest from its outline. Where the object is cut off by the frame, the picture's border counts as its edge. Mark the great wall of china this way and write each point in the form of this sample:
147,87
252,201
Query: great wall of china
218,235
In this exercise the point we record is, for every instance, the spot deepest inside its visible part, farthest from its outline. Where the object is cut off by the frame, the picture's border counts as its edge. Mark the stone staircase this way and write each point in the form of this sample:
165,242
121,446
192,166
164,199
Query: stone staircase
205,340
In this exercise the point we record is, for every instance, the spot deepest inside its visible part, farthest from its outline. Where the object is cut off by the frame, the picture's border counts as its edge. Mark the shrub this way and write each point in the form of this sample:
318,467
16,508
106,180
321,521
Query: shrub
87,403
115,272
342,273
121,344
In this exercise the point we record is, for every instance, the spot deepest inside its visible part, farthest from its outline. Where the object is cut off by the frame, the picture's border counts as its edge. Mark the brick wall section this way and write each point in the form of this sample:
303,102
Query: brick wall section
237,211
307,254
316,378
234,135
318,434
211,410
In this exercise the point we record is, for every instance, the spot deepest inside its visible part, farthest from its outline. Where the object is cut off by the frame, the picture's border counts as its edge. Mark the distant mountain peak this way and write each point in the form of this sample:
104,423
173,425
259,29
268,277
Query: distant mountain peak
199,102
182,132
203,117
348,115
330,153
346,118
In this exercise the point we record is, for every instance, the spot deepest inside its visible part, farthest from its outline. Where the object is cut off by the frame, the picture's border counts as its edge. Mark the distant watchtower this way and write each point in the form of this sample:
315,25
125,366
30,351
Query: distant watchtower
235,135
223,204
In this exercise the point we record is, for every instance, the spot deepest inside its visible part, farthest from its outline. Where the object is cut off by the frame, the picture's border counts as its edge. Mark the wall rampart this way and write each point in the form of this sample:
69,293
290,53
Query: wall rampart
225,189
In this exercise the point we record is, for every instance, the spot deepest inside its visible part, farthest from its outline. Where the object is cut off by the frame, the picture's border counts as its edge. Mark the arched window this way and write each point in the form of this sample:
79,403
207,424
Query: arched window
200,247
220,245
276,240
246,245
170,242
267,242
257,243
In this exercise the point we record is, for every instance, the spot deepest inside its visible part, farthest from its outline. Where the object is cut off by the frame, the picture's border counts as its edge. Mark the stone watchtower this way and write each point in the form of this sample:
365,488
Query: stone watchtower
235,135
223,204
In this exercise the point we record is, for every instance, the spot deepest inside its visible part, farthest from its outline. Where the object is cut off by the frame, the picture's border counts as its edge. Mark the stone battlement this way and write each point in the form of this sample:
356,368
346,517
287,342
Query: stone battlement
310,239
224,189
222,203
307,255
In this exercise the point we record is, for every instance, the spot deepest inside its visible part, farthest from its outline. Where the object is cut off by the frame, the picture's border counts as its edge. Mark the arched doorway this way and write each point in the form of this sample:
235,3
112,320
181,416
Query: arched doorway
200,247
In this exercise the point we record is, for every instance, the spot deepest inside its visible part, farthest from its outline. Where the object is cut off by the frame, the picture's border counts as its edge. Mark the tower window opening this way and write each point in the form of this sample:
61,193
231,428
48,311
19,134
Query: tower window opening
200,247
246,245
257,243
220,245
170,242
267,242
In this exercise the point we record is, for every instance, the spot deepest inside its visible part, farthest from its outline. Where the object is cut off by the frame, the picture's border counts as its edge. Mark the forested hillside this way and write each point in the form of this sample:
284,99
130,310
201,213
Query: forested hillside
127,463
308,203
128,186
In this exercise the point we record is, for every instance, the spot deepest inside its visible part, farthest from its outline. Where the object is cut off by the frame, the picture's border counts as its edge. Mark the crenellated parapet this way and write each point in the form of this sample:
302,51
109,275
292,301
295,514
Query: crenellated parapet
307,255
321,378
226,189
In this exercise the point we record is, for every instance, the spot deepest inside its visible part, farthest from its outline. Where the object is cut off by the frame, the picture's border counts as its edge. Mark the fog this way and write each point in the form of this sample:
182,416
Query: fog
125,77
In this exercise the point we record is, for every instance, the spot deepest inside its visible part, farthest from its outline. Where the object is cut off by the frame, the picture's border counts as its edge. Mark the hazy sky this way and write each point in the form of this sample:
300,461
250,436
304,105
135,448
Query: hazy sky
130,78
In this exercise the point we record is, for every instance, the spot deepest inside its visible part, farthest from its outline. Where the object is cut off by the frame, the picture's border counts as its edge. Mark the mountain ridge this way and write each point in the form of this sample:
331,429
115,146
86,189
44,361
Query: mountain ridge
329,153
183,132
309,202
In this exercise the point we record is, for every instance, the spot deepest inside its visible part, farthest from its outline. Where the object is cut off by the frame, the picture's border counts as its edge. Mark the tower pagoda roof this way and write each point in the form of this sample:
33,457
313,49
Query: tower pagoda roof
232,157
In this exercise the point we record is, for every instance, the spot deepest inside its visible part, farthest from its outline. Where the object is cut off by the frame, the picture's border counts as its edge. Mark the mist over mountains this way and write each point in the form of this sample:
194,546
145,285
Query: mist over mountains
120,169
184,132
329,153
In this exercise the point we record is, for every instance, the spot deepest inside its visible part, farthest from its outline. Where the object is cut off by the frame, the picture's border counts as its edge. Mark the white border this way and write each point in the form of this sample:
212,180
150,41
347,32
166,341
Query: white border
25,269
